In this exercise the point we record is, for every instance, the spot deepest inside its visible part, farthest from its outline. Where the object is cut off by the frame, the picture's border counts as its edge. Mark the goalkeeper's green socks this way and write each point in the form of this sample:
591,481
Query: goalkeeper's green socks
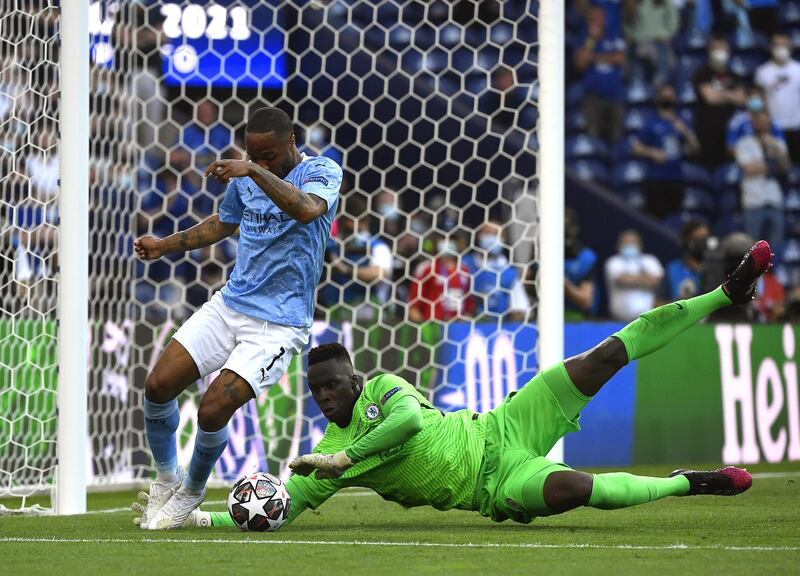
620,489
655,328
224,519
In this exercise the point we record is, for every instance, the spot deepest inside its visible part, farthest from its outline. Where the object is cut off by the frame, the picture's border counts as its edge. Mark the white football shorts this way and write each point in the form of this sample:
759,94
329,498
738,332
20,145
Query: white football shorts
218,337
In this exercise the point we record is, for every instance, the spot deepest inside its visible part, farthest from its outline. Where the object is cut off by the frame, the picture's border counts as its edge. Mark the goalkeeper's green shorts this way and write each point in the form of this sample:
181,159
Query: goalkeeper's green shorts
520,432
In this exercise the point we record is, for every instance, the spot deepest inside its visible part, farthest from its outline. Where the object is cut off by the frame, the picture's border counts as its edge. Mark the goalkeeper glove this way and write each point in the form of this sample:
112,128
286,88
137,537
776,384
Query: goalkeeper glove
328,466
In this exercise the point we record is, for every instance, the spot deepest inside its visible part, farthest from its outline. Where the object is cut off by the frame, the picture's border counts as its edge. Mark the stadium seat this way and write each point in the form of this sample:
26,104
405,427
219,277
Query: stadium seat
634,196
728,222
690,41
727,176
635,118
586,147
698,200
697,175
627,173
623,150
728,200
744,65
590,170
792,199
639,94
574,122
789,14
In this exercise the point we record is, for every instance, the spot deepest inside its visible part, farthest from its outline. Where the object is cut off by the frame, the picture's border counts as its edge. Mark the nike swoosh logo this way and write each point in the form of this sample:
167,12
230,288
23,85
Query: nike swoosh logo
679,306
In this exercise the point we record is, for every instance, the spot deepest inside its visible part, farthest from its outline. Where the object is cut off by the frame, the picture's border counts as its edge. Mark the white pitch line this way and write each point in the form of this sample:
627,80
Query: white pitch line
758,475
396,544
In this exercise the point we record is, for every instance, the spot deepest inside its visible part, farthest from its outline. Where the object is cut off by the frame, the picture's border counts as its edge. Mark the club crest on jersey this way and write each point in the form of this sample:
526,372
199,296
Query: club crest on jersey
372,411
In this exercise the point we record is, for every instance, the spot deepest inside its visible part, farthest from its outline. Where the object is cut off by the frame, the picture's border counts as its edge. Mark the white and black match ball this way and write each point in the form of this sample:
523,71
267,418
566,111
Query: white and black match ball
259,502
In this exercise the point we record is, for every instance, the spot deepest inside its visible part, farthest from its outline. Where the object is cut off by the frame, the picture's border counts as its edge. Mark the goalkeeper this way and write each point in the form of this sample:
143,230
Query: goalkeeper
385,436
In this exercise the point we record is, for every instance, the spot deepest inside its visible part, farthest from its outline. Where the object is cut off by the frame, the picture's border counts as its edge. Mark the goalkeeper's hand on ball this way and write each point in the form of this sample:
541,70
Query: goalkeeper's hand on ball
327,466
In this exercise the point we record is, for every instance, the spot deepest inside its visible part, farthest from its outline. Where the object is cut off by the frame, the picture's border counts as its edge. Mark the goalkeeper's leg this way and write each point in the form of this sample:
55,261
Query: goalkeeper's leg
654,329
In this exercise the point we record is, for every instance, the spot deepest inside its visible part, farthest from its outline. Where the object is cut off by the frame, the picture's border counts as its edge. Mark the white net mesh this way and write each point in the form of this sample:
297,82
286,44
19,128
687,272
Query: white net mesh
428,106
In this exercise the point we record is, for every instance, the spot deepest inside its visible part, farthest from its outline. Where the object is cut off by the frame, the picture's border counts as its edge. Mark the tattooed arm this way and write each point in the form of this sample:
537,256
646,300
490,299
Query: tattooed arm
209,231
299,205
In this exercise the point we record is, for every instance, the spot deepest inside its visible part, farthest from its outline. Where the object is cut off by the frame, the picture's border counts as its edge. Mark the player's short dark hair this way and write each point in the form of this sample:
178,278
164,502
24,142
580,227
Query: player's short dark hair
330,351
270,119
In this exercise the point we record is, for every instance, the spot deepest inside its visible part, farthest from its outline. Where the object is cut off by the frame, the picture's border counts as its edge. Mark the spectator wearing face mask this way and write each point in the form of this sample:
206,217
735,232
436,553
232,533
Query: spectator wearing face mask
361,269
663,142
440,289
580,263
496,283
685,275
763,159
718,96
318,142
779,78
632,278
741,124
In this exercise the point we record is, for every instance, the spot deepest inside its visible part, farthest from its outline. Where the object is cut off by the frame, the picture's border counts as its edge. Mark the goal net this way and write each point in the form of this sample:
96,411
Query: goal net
430,108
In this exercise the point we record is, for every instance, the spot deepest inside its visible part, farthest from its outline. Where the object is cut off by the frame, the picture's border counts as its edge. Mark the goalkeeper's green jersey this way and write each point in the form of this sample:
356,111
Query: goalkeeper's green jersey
438,466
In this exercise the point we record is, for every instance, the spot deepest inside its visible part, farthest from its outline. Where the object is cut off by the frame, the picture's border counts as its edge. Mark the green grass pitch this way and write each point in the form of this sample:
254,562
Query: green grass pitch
356,532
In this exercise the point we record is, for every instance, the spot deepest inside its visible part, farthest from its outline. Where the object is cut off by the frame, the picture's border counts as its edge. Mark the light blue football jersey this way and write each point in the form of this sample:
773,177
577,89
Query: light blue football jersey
279,260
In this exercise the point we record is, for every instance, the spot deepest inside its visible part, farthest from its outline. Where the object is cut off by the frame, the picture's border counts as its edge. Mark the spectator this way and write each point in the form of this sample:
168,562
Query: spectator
440,289
663,141
392,221
649,28
685,275
742,124
762,157
632,278
580,264
601,57
770,298
318,143
718,96
496,283
361,269
792,309
779,78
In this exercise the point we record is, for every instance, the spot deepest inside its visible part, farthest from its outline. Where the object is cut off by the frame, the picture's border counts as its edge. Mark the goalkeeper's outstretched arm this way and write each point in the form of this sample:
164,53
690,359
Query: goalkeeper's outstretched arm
208,232
403,421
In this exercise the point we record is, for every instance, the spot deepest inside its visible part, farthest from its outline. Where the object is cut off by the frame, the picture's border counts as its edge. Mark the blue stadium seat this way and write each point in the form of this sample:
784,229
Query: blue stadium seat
727,176
698,200
635,118
586,147
590,170
634,196
690,41
791,252
792,221
574,122
676,221
628,173
639,93
744,65
574,95
727,223
728,200
688,64
789,14
794,176
792,200
696,175
623,150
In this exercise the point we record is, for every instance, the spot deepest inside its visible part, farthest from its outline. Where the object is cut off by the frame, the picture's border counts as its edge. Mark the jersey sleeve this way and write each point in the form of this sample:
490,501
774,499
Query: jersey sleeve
323,178
231,209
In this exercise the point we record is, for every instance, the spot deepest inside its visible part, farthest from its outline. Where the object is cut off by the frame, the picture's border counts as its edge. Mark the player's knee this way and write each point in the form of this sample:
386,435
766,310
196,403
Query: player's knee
566,490
157,389
212,416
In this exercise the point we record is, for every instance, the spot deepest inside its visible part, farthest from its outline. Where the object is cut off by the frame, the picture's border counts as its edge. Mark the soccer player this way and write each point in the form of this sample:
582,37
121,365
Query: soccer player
283,204
385,436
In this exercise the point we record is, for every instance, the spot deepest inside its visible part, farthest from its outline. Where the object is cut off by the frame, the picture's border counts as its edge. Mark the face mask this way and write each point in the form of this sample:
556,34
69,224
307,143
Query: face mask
388,211
316,137
719,56
630,250
696,248
490,243
362,238
446,248
418,226
781,54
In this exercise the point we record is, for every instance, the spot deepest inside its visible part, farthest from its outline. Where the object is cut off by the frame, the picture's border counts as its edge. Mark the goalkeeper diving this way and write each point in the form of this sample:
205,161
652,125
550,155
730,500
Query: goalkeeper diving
385,436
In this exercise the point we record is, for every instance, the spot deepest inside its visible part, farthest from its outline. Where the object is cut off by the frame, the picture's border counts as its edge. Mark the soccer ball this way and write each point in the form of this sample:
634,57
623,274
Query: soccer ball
259,502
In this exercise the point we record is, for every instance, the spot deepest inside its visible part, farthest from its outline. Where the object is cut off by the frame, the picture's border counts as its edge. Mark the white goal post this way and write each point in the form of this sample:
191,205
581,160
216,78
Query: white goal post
444,116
